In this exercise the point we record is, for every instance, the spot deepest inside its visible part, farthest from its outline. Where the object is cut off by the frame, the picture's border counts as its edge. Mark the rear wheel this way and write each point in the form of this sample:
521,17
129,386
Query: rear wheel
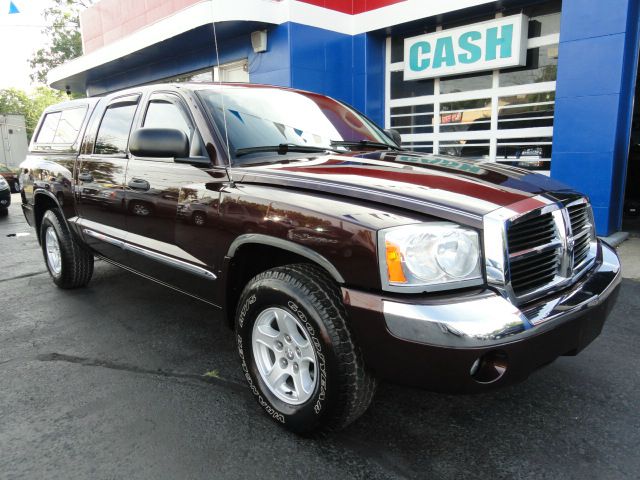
199,219
141,209
69,263
297,351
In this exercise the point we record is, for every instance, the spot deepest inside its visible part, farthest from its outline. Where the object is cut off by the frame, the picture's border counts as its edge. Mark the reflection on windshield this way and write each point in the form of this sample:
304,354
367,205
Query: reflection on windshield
262,116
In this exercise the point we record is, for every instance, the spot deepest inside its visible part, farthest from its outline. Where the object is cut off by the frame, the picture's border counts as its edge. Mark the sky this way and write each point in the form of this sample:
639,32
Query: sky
20,36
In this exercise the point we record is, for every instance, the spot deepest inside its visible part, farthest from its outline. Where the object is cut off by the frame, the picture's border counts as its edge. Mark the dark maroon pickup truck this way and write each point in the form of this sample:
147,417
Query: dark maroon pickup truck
338,258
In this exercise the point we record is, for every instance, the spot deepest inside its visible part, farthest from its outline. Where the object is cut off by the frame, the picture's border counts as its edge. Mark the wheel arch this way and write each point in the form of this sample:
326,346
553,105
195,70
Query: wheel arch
288,246
44,200
251,254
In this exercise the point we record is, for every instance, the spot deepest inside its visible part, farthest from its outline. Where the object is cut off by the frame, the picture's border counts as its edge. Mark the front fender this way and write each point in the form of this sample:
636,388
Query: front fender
260,239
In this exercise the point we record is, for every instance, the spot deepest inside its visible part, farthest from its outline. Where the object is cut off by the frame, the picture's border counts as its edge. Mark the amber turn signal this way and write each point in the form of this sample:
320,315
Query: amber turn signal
394,264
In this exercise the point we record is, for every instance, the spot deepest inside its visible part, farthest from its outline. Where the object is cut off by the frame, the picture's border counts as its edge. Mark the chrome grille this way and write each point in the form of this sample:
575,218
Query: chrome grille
532,233
530,254
581,230
533,253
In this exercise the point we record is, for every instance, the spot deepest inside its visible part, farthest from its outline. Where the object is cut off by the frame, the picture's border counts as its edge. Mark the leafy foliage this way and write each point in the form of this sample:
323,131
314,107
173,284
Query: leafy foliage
63,30
16,101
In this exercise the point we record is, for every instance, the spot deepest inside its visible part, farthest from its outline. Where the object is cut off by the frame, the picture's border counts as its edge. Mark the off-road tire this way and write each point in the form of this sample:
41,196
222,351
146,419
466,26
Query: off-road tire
76,260
345,387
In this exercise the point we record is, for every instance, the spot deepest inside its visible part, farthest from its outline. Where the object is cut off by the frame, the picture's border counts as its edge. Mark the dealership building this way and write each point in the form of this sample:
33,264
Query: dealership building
545,85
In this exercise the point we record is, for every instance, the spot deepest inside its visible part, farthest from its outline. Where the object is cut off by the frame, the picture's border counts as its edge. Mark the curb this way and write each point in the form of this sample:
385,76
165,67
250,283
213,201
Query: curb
615,239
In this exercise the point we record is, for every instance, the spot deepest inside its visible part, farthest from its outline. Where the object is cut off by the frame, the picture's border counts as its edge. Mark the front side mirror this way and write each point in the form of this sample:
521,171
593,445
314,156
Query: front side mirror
394,135
159,143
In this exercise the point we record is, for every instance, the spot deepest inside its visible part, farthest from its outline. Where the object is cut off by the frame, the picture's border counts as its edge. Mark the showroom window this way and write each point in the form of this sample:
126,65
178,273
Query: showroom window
503,115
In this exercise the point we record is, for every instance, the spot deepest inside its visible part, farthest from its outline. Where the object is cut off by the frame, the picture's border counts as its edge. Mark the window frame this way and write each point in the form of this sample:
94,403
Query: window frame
174,99
57,145
41,126
124,99
75,140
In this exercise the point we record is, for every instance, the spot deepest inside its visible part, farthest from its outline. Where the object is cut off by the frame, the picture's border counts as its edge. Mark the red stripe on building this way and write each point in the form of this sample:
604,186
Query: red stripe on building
352,6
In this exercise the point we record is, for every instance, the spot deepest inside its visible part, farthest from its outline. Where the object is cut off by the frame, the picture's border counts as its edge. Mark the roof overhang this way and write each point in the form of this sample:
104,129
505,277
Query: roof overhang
146,44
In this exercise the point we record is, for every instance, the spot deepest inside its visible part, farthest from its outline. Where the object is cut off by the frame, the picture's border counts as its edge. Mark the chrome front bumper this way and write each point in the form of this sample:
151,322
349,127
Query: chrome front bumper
488,319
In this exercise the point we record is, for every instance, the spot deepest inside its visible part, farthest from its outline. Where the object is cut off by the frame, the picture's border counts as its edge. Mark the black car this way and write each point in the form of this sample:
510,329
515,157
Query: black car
5,196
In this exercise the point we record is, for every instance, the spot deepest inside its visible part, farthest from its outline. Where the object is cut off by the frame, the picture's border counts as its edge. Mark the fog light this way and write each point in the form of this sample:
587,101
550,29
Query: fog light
490,367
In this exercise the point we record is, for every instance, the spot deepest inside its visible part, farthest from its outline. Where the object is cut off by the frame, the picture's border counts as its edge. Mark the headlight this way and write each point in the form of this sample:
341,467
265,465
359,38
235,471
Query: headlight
3,183
429,256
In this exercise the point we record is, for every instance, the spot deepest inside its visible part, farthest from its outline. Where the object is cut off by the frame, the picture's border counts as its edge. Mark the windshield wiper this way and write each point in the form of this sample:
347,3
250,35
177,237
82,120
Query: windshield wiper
281,149
364,143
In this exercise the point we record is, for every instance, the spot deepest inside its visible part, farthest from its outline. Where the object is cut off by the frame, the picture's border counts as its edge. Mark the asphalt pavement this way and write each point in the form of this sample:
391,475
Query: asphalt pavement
126,379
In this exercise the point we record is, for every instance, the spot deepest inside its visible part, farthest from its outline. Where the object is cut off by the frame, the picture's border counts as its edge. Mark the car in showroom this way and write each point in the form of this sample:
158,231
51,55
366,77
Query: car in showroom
337,257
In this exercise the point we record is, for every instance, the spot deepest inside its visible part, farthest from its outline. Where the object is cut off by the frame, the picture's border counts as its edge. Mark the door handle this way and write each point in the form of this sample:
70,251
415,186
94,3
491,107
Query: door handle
85,177
138,184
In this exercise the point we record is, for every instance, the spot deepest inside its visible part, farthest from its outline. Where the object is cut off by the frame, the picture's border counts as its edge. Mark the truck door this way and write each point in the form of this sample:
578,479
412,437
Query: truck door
155,187
100,178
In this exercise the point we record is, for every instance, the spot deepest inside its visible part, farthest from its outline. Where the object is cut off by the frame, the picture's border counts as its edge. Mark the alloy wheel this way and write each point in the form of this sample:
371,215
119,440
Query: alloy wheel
284,355
52,247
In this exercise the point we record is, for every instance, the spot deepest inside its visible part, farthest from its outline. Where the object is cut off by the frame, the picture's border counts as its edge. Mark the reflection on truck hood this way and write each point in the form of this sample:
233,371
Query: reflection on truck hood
424,183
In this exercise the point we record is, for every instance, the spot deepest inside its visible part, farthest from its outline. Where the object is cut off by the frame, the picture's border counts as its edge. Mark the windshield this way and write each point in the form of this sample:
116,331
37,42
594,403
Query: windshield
267,117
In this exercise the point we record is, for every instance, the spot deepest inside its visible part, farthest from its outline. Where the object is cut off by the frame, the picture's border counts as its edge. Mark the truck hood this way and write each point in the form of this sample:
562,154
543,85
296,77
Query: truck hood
442,186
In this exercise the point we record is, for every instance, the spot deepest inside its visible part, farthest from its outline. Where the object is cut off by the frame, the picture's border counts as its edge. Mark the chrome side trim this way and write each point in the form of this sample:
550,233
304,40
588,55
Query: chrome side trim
105,238
488,319
148,243
173,262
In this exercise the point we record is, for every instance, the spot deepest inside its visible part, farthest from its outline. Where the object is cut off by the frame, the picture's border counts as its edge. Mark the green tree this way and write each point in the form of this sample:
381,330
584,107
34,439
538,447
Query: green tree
63,31
15,101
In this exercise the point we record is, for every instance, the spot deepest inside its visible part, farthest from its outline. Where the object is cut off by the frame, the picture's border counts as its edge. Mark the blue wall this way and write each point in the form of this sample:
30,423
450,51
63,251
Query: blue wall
369,75
597,66
272,67
194,50
342,66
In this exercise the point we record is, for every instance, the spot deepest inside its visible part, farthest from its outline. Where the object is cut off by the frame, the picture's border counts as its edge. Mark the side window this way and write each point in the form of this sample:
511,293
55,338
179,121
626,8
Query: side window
163,114
166,114
69,125
48,128
113,133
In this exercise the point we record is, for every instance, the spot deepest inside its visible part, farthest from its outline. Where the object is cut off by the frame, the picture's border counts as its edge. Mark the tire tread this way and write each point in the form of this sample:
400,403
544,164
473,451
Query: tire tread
357,385
77,260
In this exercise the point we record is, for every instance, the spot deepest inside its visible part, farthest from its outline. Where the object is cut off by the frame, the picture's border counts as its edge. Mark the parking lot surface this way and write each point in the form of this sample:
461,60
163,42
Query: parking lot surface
128,379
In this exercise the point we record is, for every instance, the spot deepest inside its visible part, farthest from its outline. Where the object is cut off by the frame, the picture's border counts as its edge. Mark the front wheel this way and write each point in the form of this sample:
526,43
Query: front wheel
297,352
70,264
